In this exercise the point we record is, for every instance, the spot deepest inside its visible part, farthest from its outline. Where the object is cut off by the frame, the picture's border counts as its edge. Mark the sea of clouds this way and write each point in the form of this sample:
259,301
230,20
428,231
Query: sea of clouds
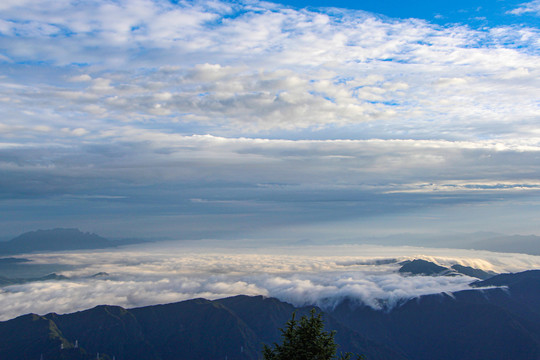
308,275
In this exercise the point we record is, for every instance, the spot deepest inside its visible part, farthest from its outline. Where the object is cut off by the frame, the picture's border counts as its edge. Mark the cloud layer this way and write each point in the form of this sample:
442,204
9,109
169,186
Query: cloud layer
304,275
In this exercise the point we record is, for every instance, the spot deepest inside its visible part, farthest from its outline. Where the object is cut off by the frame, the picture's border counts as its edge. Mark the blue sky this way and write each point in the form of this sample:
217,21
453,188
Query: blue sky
477,13
241,119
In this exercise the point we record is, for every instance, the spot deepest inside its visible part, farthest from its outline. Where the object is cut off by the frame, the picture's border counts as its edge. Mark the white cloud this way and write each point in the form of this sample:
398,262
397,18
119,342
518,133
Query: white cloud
303,275
450,82
464,187
277,68
81,78
528,7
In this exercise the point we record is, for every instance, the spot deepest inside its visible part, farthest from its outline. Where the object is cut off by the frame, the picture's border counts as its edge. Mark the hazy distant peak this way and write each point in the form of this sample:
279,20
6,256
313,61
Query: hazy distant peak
54,240
54,233
57,232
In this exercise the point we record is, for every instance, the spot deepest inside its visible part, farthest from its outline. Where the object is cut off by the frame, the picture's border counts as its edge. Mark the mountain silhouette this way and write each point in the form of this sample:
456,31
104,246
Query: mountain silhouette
59,240
499,320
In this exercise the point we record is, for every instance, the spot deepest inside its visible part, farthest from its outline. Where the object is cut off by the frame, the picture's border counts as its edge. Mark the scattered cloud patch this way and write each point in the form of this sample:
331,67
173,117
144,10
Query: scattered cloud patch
528,7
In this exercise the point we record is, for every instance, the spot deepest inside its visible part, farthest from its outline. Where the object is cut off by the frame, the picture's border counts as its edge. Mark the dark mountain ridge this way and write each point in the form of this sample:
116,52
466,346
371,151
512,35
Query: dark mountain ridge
428,268
193,329
421,267
493,323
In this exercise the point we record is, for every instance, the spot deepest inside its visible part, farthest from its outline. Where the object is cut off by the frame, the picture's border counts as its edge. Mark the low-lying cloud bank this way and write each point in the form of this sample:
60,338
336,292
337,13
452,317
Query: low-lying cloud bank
144,275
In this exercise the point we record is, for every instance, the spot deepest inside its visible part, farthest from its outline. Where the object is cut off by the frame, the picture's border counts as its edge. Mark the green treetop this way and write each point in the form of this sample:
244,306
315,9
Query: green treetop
306,340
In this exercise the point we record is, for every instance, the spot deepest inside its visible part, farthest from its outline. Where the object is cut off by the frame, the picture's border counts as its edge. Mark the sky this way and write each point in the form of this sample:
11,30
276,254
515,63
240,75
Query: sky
478,13
249,119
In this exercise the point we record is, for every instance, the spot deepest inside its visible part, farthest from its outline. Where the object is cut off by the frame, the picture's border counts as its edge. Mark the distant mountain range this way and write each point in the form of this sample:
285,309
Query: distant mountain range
73,239
12,281
499,321
525,244
59,240
5,281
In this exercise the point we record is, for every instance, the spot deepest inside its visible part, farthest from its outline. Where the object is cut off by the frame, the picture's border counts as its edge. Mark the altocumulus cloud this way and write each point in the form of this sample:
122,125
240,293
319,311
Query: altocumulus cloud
168,273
